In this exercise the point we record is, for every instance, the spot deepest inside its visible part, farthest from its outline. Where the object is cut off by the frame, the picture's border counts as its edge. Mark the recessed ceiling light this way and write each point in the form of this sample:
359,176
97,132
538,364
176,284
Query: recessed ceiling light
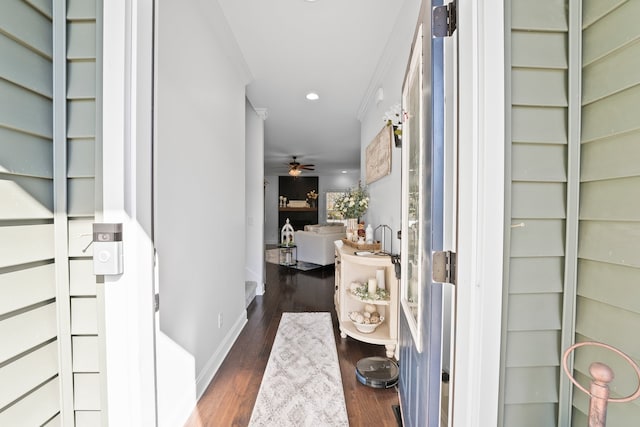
312,96
344,171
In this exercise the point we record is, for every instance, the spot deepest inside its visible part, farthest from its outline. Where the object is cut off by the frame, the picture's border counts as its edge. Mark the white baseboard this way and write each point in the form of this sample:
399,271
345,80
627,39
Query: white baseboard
213,364
260,289
185,400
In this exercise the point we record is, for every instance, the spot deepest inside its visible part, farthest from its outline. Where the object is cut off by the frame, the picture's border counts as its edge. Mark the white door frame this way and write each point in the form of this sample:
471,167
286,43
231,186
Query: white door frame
481,184
125,131
128,342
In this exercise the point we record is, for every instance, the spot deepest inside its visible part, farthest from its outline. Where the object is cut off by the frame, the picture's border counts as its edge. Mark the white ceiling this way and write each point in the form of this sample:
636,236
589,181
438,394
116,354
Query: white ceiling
292,47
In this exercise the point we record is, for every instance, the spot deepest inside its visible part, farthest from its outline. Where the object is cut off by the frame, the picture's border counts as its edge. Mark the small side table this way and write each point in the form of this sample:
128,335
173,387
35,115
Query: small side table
288,255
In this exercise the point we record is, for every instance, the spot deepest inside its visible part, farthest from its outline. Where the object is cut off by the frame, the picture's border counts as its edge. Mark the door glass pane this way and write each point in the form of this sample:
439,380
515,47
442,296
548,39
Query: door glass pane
413,197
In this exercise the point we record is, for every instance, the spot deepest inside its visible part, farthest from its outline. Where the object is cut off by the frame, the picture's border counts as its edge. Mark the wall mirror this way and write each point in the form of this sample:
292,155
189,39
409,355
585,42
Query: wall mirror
413,197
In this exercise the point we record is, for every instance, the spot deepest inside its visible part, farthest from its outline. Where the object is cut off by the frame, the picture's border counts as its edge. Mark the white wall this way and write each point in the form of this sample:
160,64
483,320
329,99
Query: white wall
337,182
199,201
254,197
384,207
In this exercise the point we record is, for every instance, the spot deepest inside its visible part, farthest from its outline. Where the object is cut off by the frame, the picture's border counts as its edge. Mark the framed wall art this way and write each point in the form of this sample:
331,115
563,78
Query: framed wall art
378,155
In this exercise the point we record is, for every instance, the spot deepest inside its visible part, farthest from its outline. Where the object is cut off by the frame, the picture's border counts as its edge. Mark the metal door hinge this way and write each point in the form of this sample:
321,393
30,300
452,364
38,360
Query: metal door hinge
444,19
444,267
156,302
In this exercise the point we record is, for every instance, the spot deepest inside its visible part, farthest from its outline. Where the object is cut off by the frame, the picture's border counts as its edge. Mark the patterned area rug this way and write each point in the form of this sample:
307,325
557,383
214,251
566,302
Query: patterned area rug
302,385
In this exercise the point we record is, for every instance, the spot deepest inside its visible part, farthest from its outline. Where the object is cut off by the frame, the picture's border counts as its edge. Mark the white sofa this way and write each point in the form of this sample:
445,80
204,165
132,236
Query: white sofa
315,244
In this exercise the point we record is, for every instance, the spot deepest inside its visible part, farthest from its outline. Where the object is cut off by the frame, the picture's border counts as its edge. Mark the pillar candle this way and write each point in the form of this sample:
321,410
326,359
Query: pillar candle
380,278
354,287
372,286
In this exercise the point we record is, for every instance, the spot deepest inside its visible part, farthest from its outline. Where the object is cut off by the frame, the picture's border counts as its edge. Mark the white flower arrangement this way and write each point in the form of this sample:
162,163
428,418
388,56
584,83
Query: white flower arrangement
362,292
393,117
353,204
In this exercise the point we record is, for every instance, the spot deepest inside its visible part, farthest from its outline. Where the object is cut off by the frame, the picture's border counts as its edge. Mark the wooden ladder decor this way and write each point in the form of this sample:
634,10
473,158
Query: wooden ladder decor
599,391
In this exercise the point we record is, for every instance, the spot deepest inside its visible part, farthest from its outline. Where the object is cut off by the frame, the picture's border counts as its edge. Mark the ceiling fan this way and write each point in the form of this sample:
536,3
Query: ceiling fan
296,168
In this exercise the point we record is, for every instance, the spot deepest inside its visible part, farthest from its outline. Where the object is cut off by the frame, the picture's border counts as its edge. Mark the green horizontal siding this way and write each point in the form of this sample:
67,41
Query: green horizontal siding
526,197
610,32
608,303
25,67
81,197
25,110
537,211
81,157
616,114
539,162
36,408
25,154
610,200
531,415
541,15
25,197
539,87
612,242
29,244
532,385
28,373
537,238
29,394
81,94
536,275
596,284
27,25
539,49
603,160
610,75
535,312
593,10
539,125
36,293
524,352
26,287
606,323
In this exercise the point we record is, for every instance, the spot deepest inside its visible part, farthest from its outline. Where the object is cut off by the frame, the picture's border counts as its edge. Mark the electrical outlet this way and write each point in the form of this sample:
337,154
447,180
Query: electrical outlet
220,320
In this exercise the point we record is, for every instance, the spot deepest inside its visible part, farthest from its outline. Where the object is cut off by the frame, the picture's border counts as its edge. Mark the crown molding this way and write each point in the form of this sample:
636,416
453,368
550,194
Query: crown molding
261,112
380,72
395,45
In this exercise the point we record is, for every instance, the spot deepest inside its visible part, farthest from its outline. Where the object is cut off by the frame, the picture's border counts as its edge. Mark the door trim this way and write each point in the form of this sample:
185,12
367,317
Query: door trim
126,135
480,212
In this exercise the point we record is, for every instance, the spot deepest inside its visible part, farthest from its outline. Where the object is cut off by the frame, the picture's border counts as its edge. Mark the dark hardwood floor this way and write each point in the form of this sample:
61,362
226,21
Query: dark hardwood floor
229,399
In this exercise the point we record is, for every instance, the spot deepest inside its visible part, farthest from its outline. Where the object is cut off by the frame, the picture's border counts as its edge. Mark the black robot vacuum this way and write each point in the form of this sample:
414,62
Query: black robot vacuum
377,372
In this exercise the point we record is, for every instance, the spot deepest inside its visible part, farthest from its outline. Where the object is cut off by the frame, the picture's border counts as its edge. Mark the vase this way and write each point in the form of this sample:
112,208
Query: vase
397,135
352,224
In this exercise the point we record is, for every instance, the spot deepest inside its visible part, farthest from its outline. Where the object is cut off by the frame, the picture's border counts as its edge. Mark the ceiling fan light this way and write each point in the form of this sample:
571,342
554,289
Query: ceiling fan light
295,172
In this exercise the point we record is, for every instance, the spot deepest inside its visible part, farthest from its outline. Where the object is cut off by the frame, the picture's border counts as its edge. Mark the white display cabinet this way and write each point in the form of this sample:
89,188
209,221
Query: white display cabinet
350,268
